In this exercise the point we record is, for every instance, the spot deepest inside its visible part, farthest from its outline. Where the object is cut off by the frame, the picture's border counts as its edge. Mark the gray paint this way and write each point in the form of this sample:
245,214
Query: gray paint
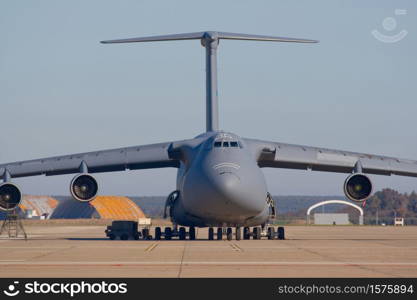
210,42
217,186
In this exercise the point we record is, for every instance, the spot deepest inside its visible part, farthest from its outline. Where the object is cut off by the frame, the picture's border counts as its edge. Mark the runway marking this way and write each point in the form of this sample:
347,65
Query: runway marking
236,247
11,260
151,247
175,263
31,247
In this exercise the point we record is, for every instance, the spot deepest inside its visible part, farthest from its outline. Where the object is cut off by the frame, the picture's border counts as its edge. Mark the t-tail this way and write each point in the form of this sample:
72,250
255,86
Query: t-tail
210,40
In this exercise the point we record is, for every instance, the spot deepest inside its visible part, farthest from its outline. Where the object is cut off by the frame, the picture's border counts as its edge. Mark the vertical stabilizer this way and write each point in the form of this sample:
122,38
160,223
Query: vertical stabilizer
210,40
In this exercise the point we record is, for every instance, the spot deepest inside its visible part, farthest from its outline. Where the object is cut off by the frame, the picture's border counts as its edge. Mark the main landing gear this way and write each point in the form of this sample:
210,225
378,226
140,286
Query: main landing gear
229,233
257,233
169,233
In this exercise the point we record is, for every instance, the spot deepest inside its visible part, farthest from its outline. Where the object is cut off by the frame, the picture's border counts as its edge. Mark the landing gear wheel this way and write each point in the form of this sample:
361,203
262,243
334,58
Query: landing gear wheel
246,233
145,233
158,233
182,233
281,233
229,234
271,233
192,233
238,234
256,233
211,234
219,233
168,233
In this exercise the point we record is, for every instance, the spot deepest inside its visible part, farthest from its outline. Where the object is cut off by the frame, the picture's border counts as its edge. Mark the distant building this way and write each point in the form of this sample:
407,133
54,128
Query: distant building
331,219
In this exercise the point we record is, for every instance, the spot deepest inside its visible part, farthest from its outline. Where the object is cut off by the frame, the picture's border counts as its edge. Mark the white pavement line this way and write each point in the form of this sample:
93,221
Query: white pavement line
167,263
31,247
332,247
11,260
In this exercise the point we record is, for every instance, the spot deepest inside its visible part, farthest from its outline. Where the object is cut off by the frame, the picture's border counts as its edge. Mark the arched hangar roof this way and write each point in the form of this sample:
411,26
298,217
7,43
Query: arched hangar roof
103,207
334,202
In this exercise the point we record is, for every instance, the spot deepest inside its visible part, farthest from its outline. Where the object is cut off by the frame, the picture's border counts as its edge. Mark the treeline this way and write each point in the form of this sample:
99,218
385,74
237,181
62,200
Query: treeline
385,205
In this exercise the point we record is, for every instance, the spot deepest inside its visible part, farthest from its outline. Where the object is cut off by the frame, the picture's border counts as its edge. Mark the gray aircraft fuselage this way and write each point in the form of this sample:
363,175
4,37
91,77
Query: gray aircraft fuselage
219,184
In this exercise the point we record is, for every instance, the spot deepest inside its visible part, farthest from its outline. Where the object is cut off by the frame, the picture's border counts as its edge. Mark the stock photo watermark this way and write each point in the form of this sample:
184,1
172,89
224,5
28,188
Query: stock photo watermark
389,25
64,288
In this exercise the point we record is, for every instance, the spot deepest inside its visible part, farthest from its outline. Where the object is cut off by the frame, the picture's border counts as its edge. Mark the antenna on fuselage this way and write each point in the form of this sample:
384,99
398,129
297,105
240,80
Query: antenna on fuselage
210,40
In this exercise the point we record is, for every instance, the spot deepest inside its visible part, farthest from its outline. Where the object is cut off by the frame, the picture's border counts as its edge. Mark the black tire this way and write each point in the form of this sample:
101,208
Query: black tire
168,233
271,233
124,237
136,236
211,234
219,233
182,233
256,234
112,236
238,234
158,233
229,233
246,233
145,233
192,233
281,233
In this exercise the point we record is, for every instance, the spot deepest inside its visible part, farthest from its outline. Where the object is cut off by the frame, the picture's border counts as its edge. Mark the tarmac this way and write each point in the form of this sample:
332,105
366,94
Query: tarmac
308,251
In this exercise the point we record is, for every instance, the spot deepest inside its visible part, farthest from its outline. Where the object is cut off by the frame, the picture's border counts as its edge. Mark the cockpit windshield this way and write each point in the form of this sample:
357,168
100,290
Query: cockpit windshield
227,144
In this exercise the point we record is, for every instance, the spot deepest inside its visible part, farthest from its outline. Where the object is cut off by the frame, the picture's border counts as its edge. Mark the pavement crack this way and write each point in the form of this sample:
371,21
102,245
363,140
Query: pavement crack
52,252
359,266
182,261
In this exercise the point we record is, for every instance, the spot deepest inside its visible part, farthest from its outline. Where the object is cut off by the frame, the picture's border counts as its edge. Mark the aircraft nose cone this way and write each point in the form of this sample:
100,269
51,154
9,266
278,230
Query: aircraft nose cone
236,196
229,180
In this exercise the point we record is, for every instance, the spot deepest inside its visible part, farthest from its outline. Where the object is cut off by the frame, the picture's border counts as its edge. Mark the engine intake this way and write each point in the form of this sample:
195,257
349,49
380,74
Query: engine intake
84,187
10,196
358,187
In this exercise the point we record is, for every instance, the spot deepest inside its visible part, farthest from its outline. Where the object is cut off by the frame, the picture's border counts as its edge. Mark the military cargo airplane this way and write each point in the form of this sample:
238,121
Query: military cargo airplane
219,181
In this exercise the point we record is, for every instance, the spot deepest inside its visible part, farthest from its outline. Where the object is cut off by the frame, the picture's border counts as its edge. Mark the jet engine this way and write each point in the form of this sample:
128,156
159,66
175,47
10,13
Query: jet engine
358,187
10,196
84,187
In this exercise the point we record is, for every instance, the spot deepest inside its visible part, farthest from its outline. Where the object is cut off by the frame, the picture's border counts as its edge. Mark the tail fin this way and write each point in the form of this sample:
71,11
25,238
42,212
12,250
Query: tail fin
210,40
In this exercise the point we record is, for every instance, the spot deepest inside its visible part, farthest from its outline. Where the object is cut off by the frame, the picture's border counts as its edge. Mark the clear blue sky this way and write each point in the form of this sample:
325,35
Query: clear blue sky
63,92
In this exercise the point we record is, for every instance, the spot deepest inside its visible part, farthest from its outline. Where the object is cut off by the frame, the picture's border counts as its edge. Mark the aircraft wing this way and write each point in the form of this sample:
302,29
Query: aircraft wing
137,157
280,155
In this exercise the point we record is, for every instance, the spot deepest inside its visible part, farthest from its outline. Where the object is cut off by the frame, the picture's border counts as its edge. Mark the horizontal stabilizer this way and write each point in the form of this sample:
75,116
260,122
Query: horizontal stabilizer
211,35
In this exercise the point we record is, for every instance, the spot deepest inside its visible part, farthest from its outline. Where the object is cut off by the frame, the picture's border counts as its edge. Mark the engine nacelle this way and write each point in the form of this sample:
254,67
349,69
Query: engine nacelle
84,187
10,196
358,187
